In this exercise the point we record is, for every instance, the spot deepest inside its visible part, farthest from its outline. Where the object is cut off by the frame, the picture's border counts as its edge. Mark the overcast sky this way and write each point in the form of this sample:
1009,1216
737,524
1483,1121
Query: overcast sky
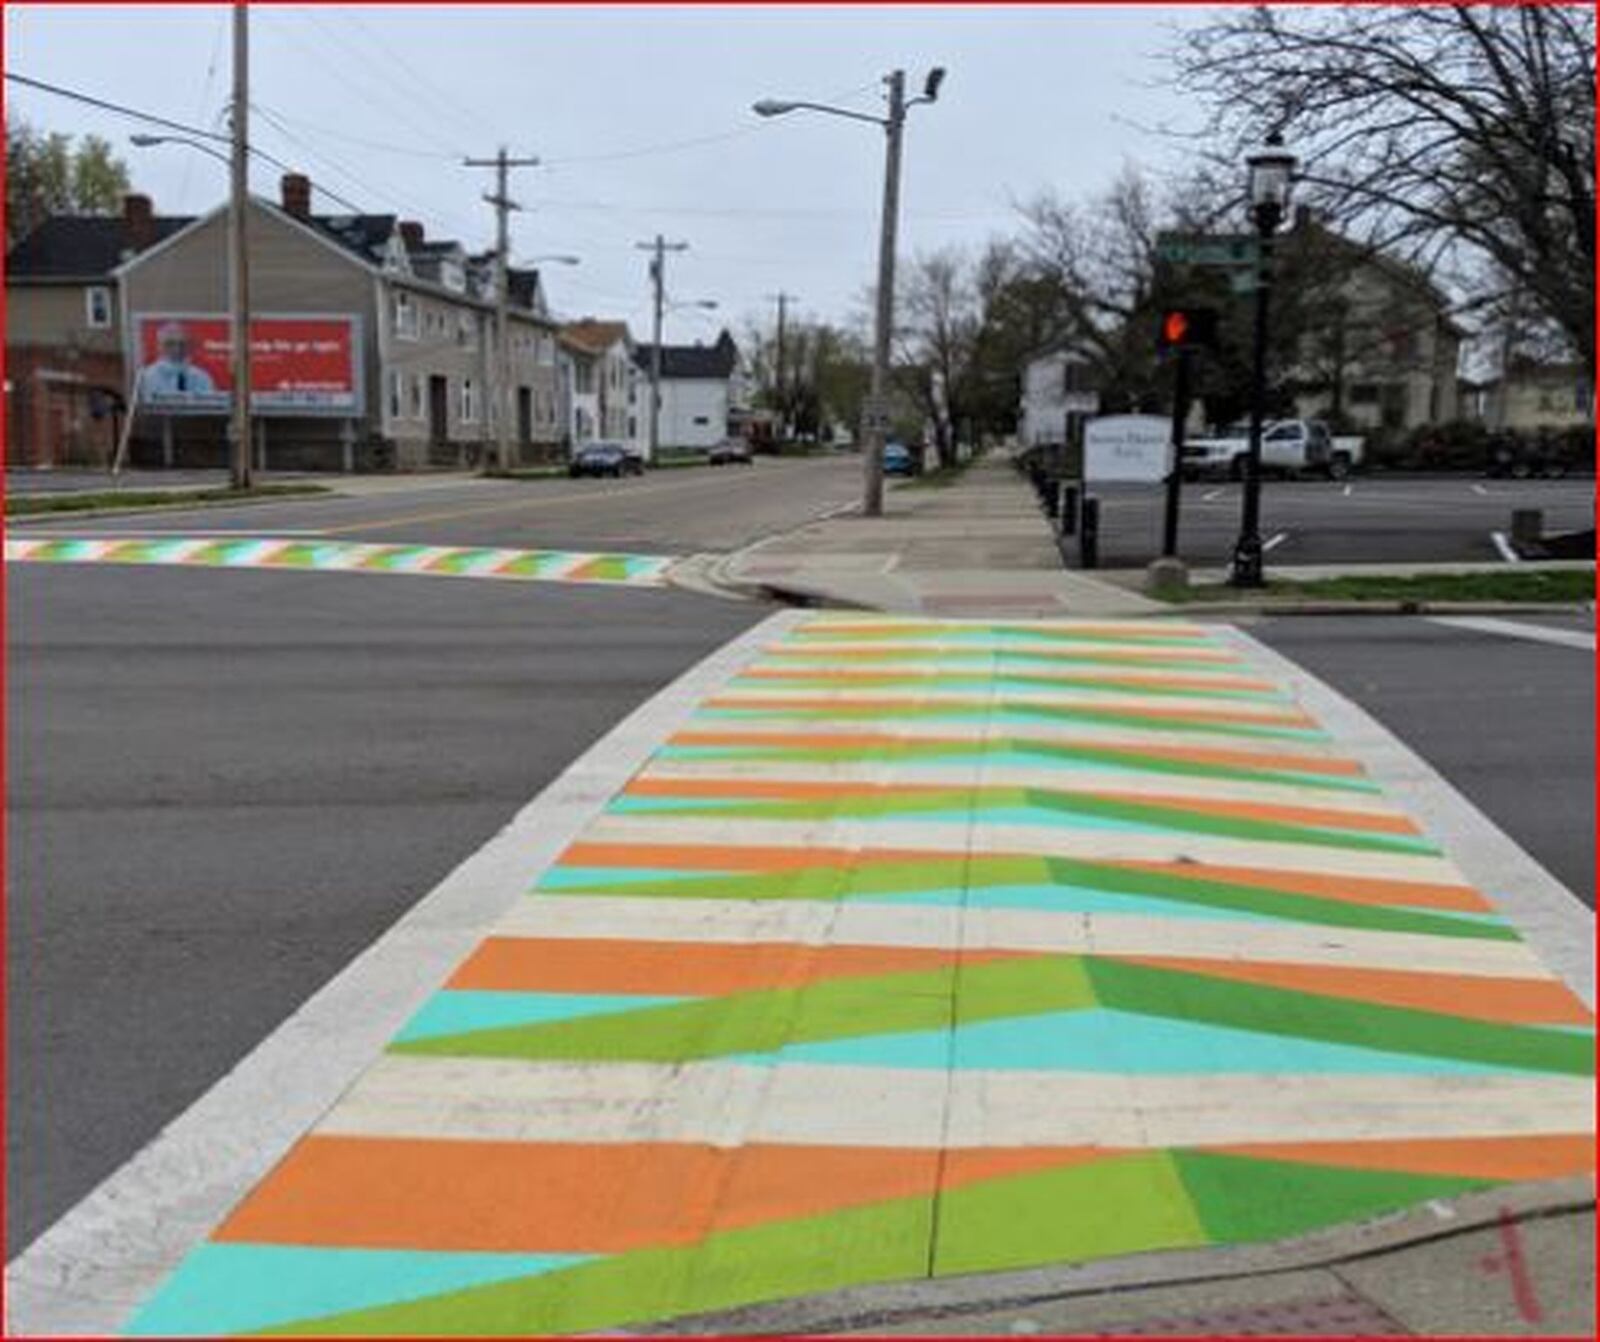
380,104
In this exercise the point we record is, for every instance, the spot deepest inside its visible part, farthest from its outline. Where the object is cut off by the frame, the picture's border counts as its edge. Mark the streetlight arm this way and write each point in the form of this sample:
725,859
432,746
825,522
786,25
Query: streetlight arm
149,141
769,108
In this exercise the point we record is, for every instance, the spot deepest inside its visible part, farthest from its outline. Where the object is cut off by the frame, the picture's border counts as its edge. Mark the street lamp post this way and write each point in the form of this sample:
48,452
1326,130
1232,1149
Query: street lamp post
893,125
1271,176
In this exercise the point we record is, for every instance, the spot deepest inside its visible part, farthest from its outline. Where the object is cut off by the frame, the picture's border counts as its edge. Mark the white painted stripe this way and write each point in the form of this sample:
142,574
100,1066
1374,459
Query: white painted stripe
1504,547
892,834
1274,541
1348,490
620,917
1479,489
1210,494
98,1262
930,668
1087,778
1556,924
1537,633
729,1104
1142,653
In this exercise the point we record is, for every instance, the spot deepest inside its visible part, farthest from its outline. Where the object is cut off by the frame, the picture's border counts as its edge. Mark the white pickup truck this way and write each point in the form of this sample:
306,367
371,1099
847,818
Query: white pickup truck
1288,447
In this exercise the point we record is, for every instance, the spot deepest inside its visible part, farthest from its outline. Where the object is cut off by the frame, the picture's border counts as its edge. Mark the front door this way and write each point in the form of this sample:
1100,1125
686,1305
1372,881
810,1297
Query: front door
438,409
524,415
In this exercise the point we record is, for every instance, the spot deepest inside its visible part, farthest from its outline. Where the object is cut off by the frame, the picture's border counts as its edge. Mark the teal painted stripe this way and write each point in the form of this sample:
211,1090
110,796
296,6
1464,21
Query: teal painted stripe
223,1289
453,1011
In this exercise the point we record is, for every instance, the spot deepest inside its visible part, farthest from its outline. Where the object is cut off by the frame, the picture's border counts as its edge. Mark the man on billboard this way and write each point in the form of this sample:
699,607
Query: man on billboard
173,373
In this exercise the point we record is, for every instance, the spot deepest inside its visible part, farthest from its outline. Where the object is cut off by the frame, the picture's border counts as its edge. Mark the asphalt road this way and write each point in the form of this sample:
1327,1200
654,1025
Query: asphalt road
223,786
1366,520
1508,721
679,511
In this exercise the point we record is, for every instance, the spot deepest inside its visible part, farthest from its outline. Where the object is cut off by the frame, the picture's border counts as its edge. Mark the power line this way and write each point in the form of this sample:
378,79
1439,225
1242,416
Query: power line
149,118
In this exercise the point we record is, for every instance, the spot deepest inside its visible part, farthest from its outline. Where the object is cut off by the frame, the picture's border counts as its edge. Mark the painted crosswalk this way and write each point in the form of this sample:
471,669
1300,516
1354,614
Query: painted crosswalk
924,948
332,556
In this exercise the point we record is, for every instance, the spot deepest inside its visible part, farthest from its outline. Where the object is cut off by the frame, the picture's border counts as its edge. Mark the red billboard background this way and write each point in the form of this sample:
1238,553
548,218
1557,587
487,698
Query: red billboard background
298,365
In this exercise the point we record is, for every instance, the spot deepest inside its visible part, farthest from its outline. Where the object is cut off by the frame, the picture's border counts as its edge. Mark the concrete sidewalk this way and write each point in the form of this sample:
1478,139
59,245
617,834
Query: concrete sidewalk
978,547
917,955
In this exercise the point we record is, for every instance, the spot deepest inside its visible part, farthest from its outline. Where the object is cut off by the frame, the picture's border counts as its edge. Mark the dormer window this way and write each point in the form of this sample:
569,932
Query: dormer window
405,315
453,276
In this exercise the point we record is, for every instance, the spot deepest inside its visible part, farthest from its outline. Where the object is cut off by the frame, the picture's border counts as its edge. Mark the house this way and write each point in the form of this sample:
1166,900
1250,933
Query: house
605,397
373,348
1535,395
1383,351
66,379
702,391
1058,393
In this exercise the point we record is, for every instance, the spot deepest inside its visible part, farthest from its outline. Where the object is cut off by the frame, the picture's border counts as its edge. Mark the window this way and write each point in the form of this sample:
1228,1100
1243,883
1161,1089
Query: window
547,350
702,419
469,402
1364,393
416,398
466,330
405,315
97,307
397,394
583,378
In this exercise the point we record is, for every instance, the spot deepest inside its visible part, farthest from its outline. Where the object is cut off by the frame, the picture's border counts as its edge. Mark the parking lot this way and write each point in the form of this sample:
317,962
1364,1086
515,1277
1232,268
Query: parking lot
1364,520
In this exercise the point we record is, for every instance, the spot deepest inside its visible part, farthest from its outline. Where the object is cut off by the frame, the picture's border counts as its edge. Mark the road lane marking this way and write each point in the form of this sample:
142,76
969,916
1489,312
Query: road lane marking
735,1031
1211,494
1273,542
1348,490
287,555
1479,489
1537,633
1507,552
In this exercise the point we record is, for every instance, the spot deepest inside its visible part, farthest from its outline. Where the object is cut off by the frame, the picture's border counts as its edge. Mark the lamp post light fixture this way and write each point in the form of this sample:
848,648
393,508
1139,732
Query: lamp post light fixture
150,141
1271,178
893,125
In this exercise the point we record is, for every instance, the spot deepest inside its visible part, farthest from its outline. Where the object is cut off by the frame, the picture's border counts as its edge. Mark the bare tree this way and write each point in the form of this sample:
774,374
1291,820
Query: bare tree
936,334
1460,137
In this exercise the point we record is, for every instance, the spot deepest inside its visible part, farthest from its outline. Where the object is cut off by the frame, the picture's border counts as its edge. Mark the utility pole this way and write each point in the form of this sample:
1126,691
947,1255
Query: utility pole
877,427
783,402
658,265
239,252
503,205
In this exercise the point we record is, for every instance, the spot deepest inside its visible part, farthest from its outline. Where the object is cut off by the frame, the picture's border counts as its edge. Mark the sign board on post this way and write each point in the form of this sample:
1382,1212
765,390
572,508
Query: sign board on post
875,417
302,364
1129,448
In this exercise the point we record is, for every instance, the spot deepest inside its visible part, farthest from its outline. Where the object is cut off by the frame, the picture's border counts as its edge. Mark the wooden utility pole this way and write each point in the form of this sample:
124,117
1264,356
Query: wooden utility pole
238,246
782,375
503,205
658,265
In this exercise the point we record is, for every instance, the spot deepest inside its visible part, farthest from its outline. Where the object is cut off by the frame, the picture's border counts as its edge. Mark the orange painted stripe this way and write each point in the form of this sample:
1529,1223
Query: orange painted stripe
1543,1156
1477,997
1247,759
1351,889
888,706
701,969
556,1197
742,789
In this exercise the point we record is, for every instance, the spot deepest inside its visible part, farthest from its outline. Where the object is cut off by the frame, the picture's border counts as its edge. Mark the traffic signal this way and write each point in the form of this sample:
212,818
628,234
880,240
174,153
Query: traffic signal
1186,328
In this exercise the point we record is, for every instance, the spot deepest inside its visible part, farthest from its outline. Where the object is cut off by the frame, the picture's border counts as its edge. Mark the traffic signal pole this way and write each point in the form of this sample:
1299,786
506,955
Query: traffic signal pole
1180,414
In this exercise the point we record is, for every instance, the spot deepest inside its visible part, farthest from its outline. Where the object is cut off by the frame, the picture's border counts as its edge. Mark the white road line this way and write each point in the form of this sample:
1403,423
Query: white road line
1274,541
1538,633
1553,922
1504,547
1210,494
1479,489
1348,490
93,1267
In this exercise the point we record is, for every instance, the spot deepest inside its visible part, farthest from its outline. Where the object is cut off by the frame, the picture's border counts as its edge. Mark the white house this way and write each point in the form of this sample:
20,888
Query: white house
604,395
701,387
1056,385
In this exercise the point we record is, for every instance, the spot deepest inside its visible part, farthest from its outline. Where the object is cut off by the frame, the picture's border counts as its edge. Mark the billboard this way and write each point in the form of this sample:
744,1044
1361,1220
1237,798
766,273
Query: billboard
1127,448
305,364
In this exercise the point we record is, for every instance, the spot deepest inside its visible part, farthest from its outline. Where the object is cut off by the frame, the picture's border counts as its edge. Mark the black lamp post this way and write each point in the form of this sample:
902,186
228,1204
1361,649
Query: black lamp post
1271,174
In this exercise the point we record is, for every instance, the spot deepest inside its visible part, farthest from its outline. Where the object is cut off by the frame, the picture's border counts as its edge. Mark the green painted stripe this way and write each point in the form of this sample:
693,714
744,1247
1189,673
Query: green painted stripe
764,1021
1334,1020
1013,681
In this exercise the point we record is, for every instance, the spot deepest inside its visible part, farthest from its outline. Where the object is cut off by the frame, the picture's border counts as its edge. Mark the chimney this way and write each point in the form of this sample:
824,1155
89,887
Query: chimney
295,189
411,234
139,215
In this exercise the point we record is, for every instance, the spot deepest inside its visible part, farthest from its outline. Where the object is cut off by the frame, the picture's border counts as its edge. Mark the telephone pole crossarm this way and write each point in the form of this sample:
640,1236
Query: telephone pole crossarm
658,247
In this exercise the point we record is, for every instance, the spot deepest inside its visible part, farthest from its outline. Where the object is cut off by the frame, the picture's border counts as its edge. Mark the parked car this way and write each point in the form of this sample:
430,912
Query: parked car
1288,447
602,458
731,452
897,460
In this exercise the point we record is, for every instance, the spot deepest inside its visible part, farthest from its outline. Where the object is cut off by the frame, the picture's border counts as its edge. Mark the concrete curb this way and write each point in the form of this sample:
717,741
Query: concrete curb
144,510
929,1300
1231,609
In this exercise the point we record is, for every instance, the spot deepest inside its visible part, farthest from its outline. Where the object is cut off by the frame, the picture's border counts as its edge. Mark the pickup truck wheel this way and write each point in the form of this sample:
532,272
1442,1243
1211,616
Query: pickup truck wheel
1339,466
